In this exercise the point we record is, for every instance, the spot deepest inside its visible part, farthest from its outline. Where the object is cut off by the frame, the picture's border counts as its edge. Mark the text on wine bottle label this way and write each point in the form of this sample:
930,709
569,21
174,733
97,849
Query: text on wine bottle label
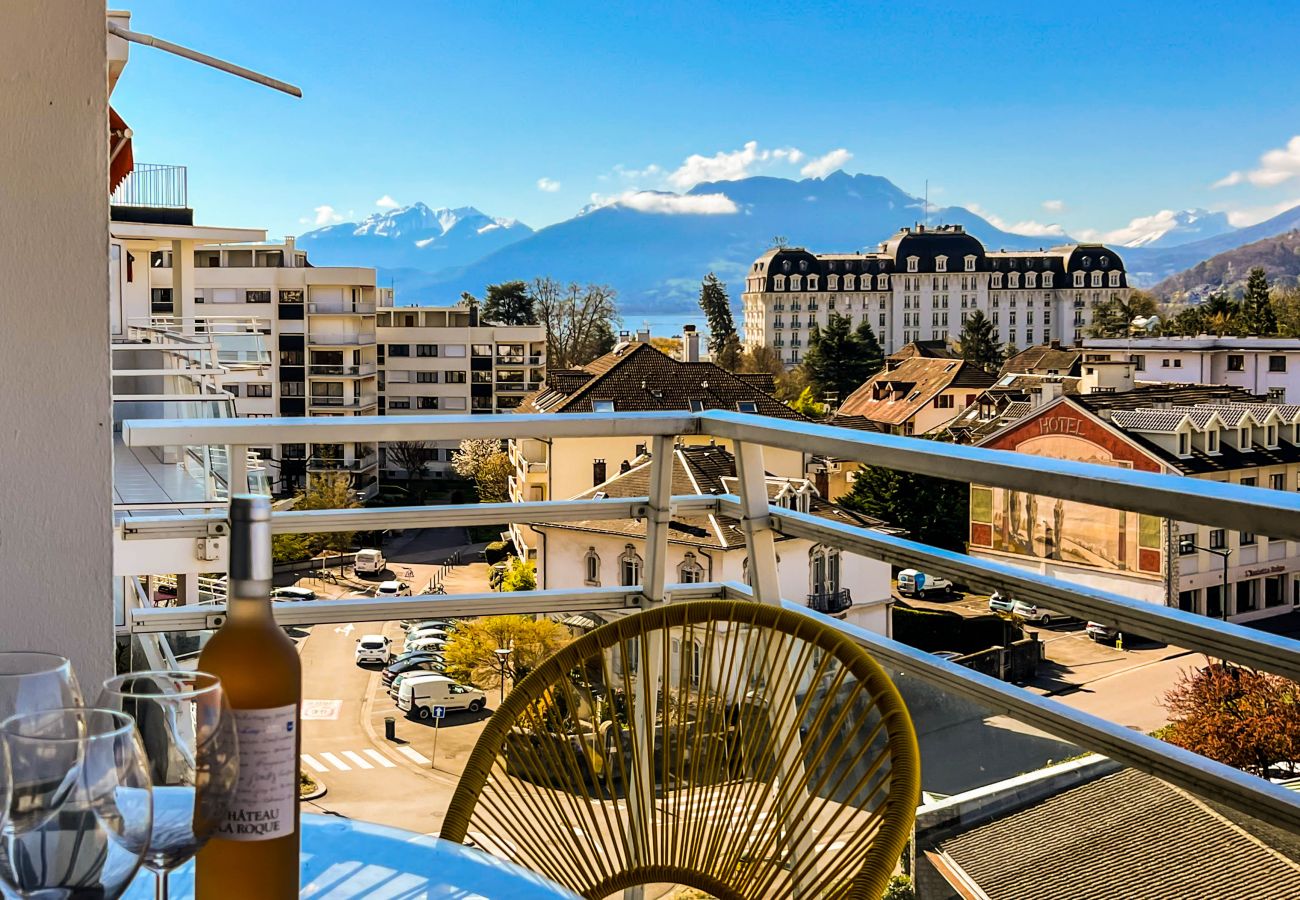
263,806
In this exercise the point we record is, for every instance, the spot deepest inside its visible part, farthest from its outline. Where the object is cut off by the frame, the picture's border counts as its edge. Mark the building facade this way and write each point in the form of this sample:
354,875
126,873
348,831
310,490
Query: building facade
922,284
1261,365
443,359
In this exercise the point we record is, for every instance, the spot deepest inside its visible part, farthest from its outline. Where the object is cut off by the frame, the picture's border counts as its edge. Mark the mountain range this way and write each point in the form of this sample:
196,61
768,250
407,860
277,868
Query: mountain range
654,247
1278,256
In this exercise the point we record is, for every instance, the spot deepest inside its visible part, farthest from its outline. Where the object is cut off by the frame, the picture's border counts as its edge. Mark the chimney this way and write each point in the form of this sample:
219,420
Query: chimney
691,343
290,257
624,336
643,335
1056,345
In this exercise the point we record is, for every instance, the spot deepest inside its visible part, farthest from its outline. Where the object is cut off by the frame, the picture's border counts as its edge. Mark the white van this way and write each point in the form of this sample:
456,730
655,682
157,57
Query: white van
920,584
370,561
421,694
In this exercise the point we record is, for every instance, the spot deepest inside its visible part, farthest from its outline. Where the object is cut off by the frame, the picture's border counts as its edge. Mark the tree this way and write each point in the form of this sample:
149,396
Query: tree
717,310
331,490
979,344
806,404
791,383
762,360
483,462
840,359
1114,317
471,650
668,346
579,321
413,456
1257,316
779,241
1286,306
1246,719
934,511
1221,313
730,354
509,303
520,575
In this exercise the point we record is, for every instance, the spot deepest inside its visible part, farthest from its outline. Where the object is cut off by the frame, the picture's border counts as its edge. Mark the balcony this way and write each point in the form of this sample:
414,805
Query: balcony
340,340
343,402
317,370
154,194
518,386
832,603
966,720
330,464
341,307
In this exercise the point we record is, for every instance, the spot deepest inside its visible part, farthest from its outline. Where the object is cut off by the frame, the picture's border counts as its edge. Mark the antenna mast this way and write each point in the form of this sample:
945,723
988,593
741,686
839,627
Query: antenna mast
927,203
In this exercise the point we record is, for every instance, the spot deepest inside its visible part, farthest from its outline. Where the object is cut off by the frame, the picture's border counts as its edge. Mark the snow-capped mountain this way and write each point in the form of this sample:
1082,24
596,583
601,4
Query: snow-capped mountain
414,236
1169,228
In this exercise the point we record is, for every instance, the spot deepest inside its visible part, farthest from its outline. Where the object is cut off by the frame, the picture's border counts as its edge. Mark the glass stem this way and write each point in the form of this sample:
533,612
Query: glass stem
160,884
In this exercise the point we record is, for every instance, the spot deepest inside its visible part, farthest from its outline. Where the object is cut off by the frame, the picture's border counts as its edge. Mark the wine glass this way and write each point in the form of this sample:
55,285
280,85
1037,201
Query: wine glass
32,681
188,732
80,807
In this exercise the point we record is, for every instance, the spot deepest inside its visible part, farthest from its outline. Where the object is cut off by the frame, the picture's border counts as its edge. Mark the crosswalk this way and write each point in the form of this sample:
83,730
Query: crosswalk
348,760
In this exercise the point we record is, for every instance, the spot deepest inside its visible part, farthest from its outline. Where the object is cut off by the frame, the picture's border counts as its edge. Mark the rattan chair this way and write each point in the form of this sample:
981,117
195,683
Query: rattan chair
742,749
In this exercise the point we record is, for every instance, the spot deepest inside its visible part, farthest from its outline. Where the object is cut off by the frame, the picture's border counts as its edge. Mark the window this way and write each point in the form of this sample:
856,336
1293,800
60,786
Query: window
602,406
941,264
426,377
1139,362
1031,279
399,402
850,282
1247,595
259,390
480,350
882,281
290,296
399,349
1047,279
453,377
629,567
695,405
1096,279
1184,444
1186,544
746,406
591,566
1277,363
1277,482
1218,539
257,296
912,262
1013,280
456,350
1212,441
997,279
1078,279
690,571
598,472
290,389
1247,539
426,349
943,401
1243,438
833,282
970,263
428,402
812,282
779,283
796,282
1236,362
1114,279
1270,436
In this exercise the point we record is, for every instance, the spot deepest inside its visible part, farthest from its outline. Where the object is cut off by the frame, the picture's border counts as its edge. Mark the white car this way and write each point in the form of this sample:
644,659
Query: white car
393,589
293,594
370,561
437,645
373,648
1032,613
433,631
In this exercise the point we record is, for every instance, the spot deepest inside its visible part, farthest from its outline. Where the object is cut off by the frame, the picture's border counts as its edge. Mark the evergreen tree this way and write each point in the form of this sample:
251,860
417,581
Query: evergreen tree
840,359
1257,317
509,303
932,510
731,355
717,310
979,344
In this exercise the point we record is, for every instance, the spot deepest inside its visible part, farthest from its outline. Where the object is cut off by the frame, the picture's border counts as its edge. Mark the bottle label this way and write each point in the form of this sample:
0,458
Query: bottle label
263,806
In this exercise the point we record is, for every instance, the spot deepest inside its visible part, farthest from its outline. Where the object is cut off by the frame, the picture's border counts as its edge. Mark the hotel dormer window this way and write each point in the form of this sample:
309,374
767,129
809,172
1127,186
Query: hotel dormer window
1270,436
1031,279
1105,261
970,263
1184,444
812,282
1114,278
1243,437
796,282
785,265
1212,441
779,282
941,264
997,279
1096,279
1014,280
912,263
1047,279
849,281
882,281
803,265
1078,279
833,282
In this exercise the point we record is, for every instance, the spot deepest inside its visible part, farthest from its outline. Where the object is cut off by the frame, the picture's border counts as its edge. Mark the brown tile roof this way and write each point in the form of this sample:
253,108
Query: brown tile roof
926,350
1156,395
1122,836
857,423
697,469
639,378
1044,357
916,381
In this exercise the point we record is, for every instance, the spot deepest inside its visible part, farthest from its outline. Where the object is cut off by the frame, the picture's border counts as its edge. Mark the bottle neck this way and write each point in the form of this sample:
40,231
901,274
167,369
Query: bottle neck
249,610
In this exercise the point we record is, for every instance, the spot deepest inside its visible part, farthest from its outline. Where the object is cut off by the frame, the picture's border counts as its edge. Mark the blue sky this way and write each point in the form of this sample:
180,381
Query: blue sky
1081,116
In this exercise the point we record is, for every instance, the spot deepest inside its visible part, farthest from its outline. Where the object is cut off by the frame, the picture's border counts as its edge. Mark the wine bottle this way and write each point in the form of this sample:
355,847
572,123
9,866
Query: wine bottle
253,853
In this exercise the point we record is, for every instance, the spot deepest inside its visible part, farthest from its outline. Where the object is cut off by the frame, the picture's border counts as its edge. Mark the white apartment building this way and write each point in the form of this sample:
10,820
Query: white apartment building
1261,365
295,339
444,359
922,284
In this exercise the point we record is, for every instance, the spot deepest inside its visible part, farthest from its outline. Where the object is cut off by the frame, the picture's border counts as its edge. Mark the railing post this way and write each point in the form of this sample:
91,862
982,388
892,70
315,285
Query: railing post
756,523
237,469
657,518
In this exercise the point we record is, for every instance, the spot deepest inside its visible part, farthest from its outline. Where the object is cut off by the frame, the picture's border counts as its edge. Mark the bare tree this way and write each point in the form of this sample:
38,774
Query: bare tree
579,320
413,456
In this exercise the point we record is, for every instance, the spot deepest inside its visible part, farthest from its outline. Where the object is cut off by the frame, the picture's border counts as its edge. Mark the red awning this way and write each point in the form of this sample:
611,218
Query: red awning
120,159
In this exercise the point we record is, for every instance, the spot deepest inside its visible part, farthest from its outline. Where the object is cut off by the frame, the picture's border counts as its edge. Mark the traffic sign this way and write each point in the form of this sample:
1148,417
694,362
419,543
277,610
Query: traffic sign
439,712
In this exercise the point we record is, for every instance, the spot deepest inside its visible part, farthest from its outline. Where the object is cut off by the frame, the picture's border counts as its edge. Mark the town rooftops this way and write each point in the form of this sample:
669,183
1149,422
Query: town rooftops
927,349
895,395
1165,395
635,377
1155,841
1045,359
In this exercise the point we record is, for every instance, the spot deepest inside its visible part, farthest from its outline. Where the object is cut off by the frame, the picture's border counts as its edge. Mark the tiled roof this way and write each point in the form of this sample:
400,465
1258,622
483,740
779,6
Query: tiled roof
697,469
1159,395
1063,360
919,379
639,378
1153,841
858,423
1150,421
925,349
1228,459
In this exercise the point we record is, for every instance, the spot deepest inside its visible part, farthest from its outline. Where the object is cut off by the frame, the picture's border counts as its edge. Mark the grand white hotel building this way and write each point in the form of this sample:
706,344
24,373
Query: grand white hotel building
923,283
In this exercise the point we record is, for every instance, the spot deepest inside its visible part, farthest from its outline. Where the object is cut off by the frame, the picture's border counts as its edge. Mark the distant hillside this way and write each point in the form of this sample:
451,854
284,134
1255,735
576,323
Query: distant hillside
1279,256
1149,265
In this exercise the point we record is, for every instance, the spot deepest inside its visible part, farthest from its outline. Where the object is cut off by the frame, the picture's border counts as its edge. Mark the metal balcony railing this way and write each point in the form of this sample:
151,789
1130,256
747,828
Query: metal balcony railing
341,307
340,340
328,464
317,370
150,184
1273,513
830,602
344,402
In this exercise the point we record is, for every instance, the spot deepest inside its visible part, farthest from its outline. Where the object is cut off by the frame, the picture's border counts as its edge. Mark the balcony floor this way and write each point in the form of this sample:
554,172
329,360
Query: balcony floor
141,480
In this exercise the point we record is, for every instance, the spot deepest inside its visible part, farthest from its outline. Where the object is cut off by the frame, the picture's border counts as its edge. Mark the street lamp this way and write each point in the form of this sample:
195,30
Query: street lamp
503,656
1186,543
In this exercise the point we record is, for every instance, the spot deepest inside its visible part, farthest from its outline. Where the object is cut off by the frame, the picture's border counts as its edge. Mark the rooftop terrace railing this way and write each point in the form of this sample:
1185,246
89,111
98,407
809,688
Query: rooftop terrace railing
1272,513
151,184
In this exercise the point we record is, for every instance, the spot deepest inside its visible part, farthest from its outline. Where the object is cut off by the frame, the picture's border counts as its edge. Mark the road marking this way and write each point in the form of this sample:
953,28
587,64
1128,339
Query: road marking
345,630
336,762
380,758
321,709
358,759
415,756
311,761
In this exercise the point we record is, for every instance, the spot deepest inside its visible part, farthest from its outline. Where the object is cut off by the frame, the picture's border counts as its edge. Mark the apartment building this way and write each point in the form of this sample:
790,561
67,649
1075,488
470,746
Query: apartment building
1210,433
445,359
922,284
295,339
1261,365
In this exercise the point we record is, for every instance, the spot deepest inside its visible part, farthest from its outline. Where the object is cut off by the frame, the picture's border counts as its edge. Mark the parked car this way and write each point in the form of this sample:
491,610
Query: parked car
369,561
409,625
293,594
393,589
1033,613
437,645
1102,634
373,648
1001,604
431,662
912,583
431,632
419,695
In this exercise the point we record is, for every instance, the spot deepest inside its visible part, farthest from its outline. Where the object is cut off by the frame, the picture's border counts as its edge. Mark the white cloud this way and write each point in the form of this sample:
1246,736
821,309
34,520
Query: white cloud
822,166
325,215
1240,218
650,171
1053,205
548,185
1142,228
1275,166
387,202
660,203
1027,227
729,166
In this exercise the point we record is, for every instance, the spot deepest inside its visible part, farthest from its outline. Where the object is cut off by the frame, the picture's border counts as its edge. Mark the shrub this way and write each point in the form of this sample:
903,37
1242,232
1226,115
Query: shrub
494,552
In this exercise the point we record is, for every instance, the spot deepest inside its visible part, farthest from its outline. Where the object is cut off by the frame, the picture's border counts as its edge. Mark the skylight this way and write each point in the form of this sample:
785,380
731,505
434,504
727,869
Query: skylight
696,405
602,406
746,406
